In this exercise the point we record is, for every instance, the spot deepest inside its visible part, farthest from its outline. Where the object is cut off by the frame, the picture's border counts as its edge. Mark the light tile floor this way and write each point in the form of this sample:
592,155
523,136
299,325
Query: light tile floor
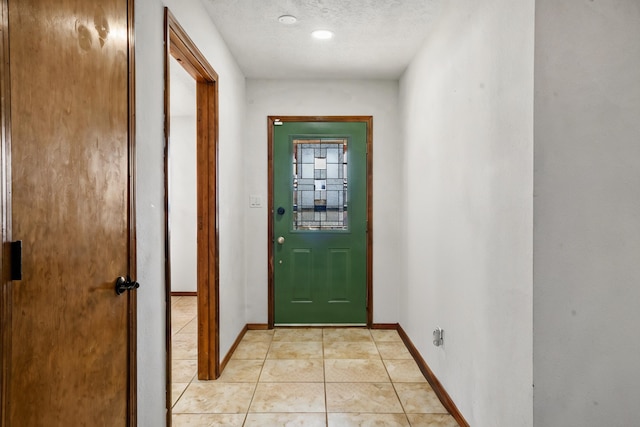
337,377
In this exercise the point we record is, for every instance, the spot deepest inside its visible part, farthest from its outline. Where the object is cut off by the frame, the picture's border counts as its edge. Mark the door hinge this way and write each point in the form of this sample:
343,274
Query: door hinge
16,260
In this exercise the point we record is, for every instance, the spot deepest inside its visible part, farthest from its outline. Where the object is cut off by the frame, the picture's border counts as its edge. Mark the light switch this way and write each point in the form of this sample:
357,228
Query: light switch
255,201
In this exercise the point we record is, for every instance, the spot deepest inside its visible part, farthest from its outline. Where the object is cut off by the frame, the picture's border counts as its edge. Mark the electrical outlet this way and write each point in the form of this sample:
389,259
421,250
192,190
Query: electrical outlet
438,337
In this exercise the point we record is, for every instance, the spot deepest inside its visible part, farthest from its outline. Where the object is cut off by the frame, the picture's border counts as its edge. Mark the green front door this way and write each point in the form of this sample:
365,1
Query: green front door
320,222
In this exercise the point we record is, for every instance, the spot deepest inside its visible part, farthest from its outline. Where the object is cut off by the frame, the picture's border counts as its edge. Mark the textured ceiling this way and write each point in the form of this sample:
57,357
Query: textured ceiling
373,38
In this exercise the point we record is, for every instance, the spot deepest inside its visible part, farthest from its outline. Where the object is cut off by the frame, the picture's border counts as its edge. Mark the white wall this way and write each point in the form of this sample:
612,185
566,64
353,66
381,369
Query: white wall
327,97
587,213
183,208
183,215
467,114
150,191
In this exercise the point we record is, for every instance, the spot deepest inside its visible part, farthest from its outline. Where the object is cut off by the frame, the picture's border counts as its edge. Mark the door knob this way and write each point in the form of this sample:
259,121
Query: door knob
125,284
280,240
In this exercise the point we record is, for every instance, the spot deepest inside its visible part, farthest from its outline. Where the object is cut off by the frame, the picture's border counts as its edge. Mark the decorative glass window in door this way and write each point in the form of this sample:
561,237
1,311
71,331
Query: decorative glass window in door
320,196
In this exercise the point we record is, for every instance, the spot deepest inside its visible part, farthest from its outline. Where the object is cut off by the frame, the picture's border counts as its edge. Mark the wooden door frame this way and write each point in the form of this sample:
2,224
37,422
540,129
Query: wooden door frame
133,241
6,224
179,45
5,214
270,125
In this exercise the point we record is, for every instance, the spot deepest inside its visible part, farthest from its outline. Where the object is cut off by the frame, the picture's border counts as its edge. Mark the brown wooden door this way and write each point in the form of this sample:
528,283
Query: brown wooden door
69,361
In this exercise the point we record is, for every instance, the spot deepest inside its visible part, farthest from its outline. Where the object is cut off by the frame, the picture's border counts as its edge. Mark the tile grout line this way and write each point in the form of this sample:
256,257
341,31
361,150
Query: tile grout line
393,384
192,377
404,412
255,390
324,380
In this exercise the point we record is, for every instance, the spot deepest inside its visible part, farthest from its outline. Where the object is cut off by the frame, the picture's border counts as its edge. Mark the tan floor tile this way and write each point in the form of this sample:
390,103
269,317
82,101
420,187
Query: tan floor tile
179,322
215,398
367,420
295,350
419,398
207,420
184,346
355,370
404,371
182,314
351,350
258,336
299,370
183,370
289,364
385,335
176,391
251,350
286,419
297,335
191,327
185,302
393,350
362,397
346,334
241,371
432,420
288,397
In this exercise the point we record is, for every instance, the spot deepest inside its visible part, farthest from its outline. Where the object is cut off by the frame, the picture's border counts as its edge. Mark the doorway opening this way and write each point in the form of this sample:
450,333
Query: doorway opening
180,47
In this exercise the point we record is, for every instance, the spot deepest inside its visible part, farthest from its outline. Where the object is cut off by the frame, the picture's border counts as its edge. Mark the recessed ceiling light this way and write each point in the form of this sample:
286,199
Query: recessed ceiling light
287,19
322,34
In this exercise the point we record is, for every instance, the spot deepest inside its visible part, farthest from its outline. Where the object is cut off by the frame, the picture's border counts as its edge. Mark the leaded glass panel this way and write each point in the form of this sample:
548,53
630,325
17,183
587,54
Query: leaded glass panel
320,184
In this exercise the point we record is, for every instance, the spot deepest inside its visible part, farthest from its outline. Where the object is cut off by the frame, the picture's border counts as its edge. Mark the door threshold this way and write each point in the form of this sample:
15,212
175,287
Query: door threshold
320,325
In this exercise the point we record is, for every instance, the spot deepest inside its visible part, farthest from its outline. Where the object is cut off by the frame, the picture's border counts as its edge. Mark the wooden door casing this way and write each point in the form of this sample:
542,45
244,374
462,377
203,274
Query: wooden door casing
181,47
70,356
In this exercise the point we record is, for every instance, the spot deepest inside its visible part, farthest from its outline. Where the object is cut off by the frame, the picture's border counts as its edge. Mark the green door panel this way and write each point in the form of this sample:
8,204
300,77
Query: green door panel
320,271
